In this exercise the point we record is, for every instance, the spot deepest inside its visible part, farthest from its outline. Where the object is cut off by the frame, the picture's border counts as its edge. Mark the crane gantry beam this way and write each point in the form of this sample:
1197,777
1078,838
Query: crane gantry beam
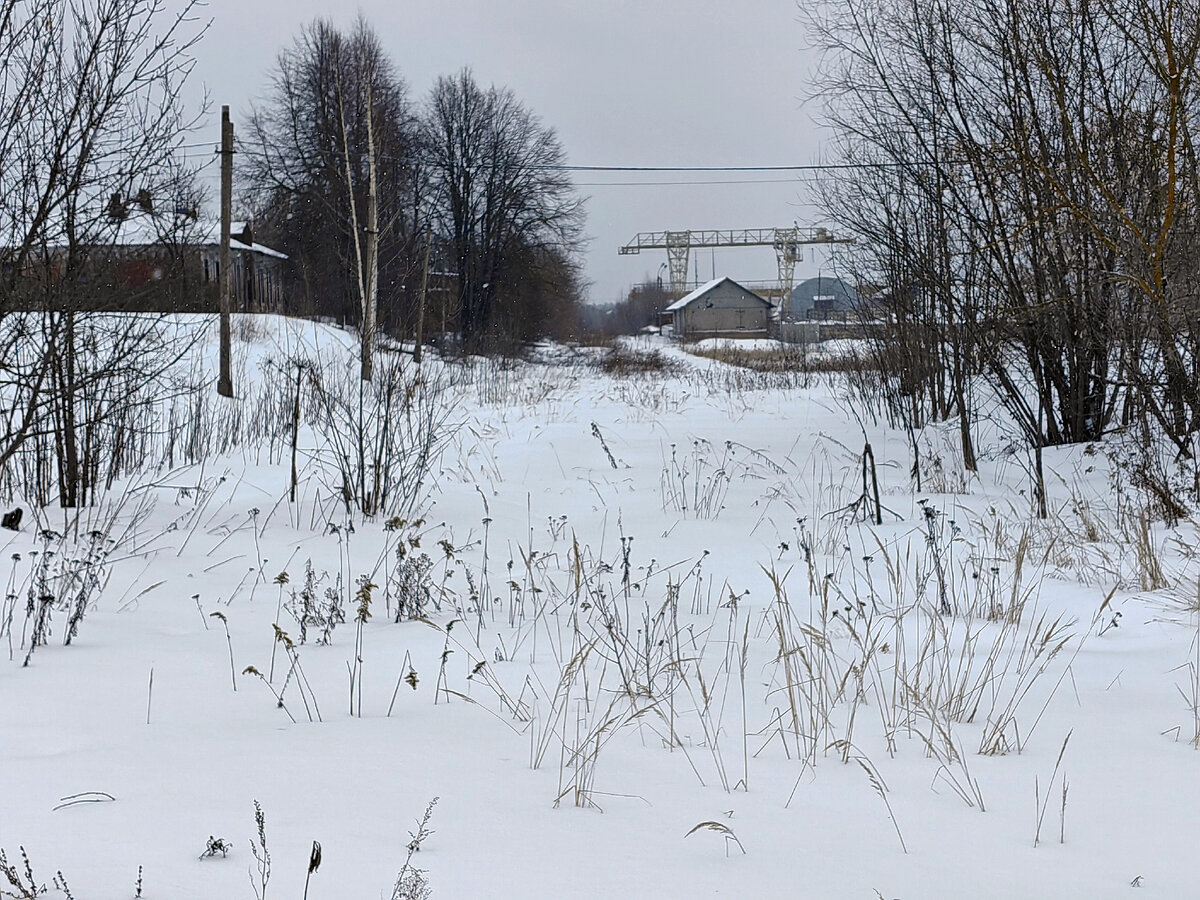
678,244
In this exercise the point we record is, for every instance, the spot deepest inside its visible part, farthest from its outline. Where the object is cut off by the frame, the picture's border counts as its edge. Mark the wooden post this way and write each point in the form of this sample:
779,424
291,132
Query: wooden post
225,278
295,433
869,457
421,298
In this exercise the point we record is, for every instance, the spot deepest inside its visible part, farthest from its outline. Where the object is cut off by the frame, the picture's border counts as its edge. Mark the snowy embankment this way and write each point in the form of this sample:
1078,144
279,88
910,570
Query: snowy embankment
638,636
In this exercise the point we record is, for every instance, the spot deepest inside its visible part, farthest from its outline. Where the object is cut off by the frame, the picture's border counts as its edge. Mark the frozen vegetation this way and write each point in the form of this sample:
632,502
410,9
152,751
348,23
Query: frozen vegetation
606,630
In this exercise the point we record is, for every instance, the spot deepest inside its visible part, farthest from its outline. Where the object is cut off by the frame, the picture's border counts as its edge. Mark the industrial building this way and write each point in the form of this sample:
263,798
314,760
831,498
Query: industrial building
721,308
821,299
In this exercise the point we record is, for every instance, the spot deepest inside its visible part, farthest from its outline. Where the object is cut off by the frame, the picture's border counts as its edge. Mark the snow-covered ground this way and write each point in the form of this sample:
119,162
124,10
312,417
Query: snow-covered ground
651,648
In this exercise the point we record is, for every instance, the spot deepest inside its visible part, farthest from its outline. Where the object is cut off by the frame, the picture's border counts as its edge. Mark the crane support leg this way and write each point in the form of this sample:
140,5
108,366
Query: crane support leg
787,251
679,252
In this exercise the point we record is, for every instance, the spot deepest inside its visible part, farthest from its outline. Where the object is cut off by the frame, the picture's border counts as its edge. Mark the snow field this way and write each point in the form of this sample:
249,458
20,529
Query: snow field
649,603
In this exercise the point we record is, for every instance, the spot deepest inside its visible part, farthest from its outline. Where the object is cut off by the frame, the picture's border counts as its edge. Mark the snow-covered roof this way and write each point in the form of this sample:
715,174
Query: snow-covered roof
146,231
704,289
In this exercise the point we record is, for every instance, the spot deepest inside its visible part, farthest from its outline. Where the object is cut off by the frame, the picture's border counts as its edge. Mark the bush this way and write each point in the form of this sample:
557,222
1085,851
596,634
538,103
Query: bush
381,438
622,362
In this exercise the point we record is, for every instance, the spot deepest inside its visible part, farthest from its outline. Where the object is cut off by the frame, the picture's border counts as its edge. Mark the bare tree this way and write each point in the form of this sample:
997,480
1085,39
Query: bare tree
331,162
500,196
91,118
366,262
1027,186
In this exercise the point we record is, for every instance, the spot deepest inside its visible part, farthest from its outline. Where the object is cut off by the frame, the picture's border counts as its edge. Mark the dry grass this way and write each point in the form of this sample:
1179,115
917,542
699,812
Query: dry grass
782,358
622,362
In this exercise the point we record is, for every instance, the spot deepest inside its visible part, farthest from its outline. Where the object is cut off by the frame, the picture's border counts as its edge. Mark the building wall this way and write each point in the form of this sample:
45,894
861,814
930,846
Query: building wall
800,332
257,279
725,311
821,298
155,279
152,279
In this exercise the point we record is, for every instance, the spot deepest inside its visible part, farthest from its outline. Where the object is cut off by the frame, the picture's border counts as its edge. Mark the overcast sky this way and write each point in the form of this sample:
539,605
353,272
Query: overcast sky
666,83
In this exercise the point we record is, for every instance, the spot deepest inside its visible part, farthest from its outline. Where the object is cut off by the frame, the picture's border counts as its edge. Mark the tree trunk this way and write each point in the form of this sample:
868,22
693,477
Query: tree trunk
371,286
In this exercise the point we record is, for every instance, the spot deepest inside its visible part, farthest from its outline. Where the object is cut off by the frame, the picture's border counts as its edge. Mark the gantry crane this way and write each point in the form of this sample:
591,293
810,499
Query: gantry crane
678,244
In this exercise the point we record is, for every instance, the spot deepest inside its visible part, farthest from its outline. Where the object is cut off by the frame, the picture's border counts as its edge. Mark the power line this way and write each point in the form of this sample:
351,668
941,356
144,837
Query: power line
689,184
816,167
566,167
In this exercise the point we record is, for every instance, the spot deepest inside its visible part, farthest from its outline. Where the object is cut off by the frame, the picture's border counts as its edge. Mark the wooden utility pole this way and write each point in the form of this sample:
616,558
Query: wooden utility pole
225,277
421,298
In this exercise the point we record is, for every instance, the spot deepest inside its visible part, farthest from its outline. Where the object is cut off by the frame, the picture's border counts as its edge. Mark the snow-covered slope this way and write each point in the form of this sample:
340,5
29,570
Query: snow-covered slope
649,646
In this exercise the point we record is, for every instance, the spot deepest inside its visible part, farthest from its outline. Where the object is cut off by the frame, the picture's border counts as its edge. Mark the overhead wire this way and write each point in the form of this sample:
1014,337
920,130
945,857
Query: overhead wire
813,167
688,183
571,167
809,168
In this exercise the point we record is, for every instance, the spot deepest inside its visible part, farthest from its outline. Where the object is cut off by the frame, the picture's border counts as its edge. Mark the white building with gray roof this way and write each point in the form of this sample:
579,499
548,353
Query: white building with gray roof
721,308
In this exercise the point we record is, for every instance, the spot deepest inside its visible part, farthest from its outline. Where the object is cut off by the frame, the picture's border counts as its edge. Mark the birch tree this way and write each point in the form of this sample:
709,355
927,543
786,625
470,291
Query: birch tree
332,166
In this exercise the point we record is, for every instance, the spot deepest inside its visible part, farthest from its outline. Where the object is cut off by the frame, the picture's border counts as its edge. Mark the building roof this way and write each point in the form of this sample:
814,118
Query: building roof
705,288
825,286
148,231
